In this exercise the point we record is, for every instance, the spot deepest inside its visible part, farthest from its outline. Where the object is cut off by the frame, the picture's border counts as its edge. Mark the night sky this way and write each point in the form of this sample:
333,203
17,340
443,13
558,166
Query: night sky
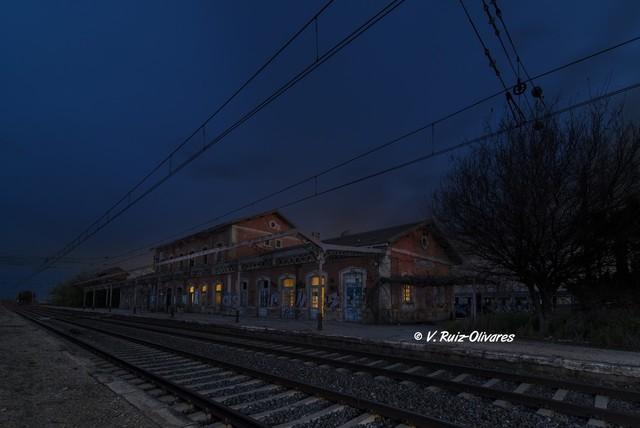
94,94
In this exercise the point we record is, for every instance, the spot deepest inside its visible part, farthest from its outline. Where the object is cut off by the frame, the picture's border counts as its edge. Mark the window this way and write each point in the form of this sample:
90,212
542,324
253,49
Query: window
278,243
219,258
181,261
192,260
218,289
205,258
424,240
273,224
244,293
407,293
288,292
317,280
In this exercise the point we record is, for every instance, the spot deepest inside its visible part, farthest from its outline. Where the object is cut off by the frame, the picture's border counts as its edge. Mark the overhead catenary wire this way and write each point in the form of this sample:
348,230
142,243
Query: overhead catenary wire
517,89
518,116
374,19
138,251
316,193
168,159
500,17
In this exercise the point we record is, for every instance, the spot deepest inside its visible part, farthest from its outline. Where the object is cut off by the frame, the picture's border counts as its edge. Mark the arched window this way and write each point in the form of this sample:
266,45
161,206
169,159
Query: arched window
288,292
407,293
219,289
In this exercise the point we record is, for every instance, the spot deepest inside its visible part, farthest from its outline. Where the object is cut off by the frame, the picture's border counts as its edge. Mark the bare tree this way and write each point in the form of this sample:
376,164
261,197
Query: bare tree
525,202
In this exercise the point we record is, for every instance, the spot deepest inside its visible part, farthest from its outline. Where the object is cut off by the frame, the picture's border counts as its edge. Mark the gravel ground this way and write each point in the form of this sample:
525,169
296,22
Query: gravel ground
380,423
580,398
295,412
475,380
43,385
624,406
273,404
411,397
541,391
251,396
504,385
236,390
334,419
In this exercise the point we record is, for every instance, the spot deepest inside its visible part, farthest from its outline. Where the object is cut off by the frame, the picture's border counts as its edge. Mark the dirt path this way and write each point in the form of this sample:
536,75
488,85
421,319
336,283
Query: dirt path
45,383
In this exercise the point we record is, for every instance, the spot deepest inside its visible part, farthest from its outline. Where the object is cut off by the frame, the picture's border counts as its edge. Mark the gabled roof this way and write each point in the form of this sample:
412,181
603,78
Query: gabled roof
221,226
373,237
382,237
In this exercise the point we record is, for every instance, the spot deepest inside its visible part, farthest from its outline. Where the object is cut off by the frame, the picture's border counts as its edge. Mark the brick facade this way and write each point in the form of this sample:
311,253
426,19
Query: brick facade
262,266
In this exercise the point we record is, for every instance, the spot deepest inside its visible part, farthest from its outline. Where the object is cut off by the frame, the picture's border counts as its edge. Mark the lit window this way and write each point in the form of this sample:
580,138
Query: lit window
204,288
192,289
288,292
288,282
218,294
317,280
407,293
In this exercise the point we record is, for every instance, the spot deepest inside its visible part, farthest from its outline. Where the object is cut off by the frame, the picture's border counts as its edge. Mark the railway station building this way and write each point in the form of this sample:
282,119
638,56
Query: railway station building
263,266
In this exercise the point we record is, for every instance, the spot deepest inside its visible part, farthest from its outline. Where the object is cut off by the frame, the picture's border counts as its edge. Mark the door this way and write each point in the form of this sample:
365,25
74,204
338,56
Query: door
263,301
316,297
288,301
352,282
168,301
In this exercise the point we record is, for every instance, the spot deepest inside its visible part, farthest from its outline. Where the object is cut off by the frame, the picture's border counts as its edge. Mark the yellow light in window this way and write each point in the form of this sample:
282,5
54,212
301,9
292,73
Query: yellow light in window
204,288
407,291
219,287
288,282
317,280
192,289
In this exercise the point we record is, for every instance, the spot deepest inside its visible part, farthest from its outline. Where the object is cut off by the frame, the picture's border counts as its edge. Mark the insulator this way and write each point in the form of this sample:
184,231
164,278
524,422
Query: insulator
520,87
536,92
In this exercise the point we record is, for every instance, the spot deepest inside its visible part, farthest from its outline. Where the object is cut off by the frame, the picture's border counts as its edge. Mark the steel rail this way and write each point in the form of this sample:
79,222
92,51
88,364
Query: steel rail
564,407
489,373
376,407
224,413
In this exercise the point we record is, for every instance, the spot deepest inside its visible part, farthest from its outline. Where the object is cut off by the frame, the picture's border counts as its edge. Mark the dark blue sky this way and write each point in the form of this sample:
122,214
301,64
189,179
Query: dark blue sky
93,94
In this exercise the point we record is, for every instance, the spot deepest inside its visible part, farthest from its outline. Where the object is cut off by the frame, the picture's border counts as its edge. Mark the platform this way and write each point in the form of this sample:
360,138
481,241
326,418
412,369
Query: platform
581,361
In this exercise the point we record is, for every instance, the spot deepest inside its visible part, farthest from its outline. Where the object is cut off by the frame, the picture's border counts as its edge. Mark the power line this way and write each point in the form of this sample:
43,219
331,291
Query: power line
519,88
202,127
377,148
518,116
292,82
434,153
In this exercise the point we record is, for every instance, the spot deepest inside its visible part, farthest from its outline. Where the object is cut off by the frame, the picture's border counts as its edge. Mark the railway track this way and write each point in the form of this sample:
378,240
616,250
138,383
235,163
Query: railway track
223,393
553,398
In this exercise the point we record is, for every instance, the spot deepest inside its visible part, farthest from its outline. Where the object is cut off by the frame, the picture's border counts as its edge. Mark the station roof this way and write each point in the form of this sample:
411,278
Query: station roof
372,237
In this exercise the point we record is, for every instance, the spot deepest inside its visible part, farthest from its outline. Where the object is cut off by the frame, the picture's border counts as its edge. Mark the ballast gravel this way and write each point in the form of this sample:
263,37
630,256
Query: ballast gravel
275,403
411,397
334,419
